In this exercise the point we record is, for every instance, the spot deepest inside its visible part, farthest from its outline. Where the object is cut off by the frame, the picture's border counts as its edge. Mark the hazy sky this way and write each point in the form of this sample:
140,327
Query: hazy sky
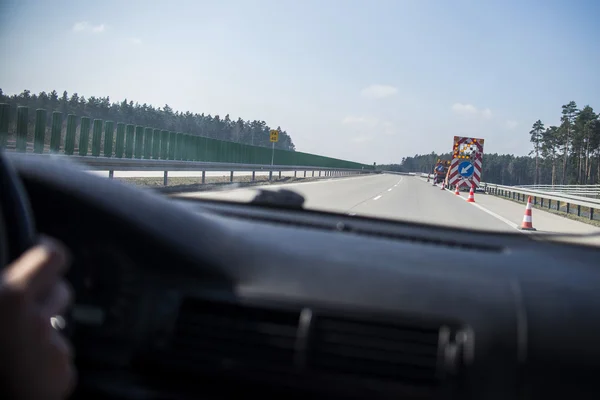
361,80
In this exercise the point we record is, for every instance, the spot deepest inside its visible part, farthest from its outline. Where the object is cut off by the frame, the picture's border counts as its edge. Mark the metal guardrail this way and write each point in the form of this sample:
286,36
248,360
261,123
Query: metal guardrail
114,164
584,206
580,190
397,173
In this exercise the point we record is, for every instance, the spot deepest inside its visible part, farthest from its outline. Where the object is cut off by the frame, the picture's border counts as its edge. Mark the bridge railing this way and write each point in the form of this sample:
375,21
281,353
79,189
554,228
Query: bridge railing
85,137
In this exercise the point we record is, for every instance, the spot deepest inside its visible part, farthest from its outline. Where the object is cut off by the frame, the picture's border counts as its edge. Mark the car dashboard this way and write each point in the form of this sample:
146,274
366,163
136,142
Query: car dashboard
181,299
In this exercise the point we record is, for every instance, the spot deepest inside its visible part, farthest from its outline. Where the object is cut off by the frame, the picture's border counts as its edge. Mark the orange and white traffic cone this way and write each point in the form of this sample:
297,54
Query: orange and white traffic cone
471,198
443,185
527,224
457,192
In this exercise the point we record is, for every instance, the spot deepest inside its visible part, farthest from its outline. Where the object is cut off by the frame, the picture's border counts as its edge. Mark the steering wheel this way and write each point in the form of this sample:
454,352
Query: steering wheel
17,226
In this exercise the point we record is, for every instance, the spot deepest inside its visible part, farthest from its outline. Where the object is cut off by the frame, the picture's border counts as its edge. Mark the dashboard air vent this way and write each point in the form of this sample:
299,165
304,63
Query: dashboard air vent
405,354
225,336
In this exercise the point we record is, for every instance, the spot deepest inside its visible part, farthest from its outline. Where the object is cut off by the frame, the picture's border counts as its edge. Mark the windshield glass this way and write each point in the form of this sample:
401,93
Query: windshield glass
475,115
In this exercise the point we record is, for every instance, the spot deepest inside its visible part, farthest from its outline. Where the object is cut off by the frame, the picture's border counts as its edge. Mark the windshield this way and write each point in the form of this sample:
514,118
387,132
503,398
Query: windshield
475,115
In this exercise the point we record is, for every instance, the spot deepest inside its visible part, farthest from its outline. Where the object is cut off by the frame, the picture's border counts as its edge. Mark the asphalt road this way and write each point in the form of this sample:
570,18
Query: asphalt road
412,198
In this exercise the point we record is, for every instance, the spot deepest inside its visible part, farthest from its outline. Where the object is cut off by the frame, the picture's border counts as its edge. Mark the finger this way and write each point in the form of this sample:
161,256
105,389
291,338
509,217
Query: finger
64,369
37,270
57,301
62,346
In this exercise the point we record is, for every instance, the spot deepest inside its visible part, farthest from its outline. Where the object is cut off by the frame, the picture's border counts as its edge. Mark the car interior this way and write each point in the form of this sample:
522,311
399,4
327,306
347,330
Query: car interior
187,299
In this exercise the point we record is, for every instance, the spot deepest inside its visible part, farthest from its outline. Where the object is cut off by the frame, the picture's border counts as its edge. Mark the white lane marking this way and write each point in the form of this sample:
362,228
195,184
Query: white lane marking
390,189
351,214
493,214
377,197
501,218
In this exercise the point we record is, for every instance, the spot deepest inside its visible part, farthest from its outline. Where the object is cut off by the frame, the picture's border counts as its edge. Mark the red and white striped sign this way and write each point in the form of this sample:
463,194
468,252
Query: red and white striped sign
466,150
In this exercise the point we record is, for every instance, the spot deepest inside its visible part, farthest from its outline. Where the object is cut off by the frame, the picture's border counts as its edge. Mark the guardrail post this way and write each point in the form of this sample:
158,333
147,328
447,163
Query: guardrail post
111,174
96,137
4,123
253,176
231,176
22,120
295,174
84,136
70,136
165,178
203,177
109,129
313,173
270,175
579,211
40,131
319,173
279,174
305,174
56,132
591,213
568,208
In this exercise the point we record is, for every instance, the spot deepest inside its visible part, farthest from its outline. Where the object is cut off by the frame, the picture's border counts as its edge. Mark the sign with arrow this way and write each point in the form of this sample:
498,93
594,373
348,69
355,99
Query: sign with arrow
465,169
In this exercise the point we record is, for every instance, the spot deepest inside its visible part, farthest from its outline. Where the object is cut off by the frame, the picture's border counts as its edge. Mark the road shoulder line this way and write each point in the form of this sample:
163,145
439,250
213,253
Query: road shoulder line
493,214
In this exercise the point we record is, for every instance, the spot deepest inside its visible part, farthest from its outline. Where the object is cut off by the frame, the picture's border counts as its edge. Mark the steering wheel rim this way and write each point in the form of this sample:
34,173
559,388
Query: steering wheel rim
17,225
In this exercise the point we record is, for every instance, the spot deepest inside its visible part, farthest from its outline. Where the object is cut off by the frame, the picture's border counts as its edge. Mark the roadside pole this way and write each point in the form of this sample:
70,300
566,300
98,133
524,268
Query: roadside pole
274,137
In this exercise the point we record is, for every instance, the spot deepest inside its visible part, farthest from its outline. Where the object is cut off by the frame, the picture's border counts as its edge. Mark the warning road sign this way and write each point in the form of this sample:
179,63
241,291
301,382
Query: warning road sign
467,161
274,136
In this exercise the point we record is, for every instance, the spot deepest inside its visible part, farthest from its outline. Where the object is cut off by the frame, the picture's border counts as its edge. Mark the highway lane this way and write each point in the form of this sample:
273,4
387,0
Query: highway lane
413,199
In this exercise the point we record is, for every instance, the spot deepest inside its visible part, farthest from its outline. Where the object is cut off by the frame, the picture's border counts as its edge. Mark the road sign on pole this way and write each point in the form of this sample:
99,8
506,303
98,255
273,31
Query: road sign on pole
273,137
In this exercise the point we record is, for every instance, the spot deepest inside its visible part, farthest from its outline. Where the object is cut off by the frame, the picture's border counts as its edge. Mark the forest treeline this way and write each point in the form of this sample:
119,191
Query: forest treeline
127,111
567,154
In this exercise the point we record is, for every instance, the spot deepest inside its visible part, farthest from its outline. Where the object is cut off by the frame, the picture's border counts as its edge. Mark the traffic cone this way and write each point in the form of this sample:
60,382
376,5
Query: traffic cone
527,224
457,192
471,198
443,185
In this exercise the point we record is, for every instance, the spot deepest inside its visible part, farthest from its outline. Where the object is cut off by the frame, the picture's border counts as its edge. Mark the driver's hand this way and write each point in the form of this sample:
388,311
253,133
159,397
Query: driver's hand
35,359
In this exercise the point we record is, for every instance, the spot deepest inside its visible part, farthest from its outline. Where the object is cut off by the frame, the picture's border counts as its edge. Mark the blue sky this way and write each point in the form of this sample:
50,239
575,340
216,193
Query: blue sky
370,81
